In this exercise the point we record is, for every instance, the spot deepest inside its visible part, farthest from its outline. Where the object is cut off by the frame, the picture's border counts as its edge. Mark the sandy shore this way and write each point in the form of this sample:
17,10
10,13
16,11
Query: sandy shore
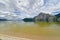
6,37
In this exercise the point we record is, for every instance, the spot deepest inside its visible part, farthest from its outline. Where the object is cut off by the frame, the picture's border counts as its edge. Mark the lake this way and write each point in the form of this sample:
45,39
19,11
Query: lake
31,30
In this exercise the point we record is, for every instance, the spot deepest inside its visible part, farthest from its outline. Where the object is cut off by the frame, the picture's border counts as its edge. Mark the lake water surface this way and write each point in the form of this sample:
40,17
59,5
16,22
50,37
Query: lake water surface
32,30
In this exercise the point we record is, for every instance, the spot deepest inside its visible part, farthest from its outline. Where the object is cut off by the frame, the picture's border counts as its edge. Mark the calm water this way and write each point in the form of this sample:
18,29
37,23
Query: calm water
30,29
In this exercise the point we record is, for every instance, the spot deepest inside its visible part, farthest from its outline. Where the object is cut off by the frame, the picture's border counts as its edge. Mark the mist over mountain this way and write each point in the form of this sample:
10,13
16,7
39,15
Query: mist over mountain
19,9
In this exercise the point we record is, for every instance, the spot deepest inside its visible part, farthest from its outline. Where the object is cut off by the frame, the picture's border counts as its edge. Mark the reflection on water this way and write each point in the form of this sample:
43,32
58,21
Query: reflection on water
17,28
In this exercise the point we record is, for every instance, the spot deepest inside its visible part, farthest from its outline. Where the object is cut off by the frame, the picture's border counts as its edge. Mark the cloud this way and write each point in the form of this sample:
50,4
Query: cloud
30,8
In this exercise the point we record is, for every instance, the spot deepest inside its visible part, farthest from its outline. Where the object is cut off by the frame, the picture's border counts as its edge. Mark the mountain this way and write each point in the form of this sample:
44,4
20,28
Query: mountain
42,17
58,15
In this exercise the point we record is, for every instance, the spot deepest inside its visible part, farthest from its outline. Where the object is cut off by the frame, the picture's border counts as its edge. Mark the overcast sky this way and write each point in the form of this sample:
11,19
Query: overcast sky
29,8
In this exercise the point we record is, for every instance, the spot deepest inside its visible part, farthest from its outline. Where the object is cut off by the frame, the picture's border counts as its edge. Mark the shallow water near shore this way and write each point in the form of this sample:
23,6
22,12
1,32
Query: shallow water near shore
32,30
